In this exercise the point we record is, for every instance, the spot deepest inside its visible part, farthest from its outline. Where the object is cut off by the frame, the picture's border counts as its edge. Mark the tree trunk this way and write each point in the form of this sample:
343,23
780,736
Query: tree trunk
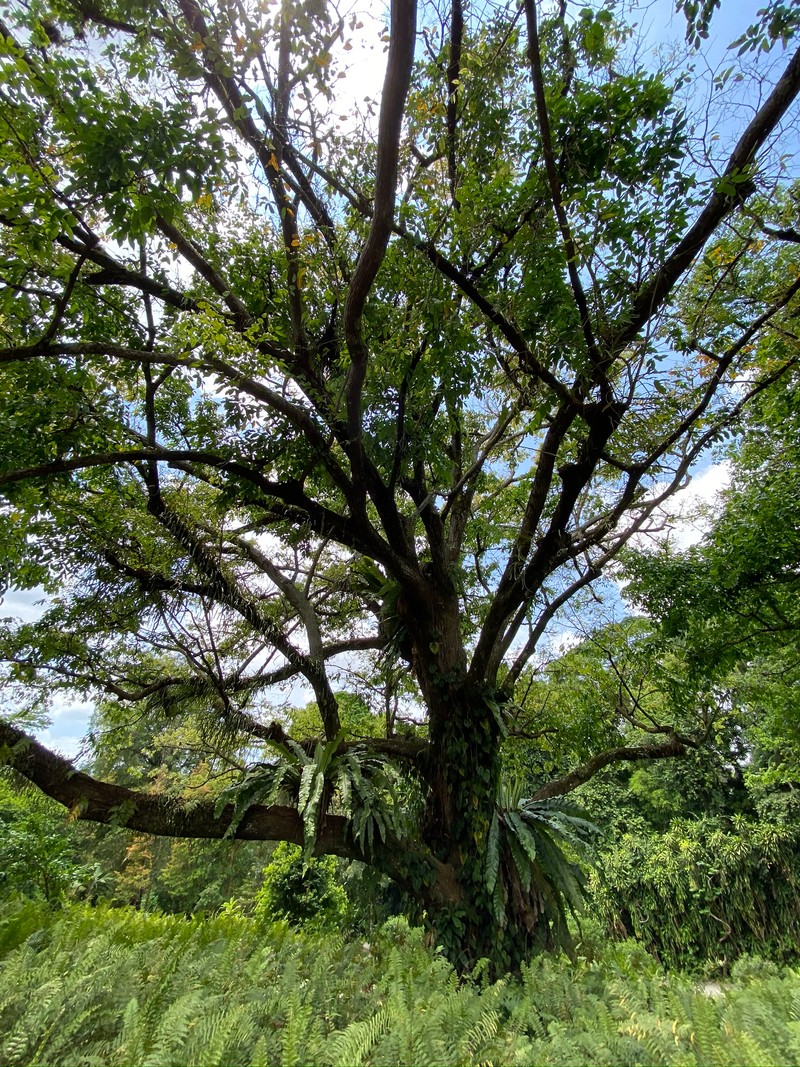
462,775
510,924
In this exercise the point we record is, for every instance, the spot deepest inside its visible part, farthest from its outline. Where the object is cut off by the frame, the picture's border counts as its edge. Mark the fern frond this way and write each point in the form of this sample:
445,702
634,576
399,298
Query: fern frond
351,1046
523,834
518,855
481,1032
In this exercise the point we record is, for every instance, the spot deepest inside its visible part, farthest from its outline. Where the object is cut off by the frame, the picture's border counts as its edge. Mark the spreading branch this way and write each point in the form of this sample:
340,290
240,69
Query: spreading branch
730,190
395,90
674,747
92,800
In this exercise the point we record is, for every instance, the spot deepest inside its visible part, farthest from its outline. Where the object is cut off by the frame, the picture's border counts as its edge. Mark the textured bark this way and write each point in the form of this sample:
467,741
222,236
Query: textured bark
103,802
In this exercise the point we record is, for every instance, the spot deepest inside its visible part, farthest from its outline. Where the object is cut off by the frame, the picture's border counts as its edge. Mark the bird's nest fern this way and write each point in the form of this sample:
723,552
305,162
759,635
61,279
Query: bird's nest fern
531,858
363,786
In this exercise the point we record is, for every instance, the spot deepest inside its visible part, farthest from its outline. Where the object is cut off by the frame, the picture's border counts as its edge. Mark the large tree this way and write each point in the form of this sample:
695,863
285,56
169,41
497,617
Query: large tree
284,397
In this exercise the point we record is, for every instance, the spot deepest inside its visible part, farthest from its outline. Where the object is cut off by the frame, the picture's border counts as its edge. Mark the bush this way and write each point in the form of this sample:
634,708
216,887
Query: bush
703,893
302,893
39,856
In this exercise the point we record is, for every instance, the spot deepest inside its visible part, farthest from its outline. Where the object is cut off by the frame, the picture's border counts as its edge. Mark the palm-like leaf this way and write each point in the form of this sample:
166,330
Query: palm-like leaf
365,786
525,855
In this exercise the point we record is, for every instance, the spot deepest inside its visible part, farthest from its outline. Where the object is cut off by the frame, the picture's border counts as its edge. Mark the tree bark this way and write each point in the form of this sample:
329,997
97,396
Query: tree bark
413,868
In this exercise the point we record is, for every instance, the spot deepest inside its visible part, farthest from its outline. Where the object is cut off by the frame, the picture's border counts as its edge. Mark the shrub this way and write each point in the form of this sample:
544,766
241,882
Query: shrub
704,892
302,893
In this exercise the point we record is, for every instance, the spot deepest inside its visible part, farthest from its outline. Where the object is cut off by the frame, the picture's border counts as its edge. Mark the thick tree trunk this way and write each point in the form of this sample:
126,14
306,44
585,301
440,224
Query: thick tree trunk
462,775
464,780
462,761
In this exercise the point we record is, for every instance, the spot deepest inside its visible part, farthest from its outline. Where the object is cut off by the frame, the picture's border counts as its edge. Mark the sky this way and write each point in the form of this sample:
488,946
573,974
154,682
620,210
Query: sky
365,61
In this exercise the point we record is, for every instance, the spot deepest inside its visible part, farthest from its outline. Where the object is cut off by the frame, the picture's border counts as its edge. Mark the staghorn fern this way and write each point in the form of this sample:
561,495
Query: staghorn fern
264,783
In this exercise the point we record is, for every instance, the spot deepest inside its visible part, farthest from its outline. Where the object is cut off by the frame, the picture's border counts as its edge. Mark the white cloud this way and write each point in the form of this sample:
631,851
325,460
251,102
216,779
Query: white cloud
70,722
685,518
24,605
690,512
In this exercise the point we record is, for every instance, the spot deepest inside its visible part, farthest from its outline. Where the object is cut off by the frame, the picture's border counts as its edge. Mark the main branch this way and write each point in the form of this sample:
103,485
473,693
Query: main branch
92,800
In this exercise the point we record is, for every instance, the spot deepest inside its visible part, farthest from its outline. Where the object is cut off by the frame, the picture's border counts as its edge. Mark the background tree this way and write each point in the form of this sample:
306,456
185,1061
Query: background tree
40,856
702,855
277,397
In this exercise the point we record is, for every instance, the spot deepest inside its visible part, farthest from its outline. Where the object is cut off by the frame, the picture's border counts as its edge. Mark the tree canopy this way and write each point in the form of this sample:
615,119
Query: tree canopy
290,397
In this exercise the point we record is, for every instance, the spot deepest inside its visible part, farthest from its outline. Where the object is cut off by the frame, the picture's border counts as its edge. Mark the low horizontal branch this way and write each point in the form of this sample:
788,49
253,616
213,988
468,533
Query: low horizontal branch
92,800
675,746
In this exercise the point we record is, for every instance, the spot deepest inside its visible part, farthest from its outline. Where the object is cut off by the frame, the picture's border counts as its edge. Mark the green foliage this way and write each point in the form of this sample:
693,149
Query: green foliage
120,987
306,892
355,715
45,853
526,861
703,893
201,875
571,704
722,655
366,785
726,609
777,21
40,853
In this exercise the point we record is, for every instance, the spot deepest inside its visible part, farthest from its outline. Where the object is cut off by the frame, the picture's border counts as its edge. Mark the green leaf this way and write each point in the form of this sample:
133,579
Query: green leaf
493,853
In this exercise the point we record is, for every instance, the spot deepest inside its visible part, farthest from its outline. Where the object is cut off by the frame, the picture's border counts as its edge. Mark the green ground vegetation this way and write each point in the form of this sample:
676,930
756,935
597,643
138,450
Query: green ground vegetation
118,986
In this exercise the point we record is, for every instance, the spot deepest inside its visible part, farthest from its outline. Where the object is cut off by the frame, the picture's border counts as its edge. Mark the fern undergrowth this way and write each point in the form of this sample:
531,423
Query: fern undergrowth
93,986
